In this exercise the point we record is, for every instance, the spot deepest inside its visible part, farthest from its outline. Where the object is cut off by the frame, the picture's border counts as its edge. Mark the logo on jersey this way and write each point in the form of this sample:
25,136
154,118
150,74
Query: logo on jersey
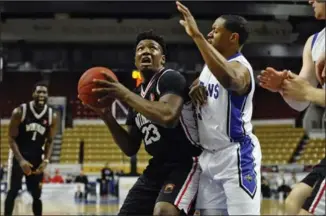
169,188
212,89
35,127
45,121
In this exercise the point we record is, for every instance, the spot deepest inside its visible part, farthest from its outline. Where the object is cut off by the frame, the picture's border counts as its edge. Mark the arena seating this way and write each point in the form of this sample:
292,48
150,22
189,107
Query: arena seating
4,145
278,142
99,147
313,152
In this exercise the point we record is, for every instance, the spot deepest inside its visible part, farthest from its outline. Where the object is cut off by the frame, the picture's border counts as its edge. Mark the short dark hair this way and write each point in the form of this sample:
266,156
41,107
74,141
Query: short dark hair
41,83
238,24
150,35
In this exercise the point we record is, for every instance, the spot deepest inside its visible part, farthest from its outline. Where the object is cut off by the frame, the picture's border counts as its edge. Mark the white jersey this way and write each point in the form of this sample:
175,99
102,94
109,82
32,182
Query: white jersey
226,118
318,45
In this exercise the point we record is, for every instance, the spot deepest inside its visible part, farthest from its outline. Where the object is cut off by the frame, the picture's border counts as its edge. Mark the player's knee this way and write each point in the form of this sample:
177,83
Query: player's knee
165,209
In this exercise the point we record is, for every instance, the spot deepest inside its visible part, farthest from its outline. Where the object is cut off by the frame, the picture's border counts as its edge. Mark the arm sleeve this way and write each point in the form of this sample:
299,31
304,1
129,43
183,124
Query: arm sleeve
172,82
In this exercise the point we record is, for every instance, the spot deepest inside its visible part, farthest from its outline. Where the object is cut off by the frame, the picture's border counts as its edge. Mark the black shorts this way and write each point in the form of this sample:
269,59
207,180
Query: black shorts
15,175
178,187
315,204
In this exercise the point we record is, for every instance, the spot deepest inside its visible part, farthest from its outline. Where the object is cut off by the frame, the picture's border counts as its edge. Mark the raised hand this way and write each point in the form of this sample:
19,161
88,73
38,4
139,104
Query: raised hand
188,22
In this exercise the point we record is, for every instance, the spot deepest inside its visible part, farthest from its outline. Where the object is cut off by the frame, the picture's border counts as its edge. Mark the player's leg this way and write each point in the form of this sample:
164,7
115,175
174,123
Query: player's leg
211,199
179,190
14,183
315,204
141,198
297,198
34,187
242,186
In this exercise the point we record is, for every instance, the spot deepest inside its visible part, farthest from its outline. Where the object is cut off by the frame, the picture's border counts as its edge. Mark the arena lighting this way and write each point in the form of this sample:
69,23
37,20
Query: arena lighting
137,76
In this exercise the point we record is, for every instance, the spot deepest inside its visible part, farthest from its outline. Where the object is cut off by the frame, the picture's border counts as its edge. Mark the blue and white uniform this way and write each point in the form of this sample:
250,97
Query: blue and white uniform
230,179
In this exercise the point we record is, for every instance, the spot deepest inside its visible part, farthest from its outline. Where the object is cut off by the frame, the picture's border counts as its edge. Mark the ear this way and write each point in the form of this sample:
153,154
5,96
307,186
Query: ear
163,60
234,37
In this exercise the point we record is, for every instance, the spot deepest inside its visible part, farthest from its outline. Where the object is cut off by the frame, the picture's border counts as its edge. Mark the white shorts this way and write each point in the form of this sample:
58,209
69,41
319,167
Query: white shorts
230,181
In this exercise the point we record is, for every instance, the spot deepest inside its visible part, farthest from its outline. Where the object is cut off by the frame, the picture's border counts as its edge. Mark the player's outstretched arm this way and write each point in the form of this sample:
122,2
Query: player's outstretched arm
273,80
300,89
231,75
13,134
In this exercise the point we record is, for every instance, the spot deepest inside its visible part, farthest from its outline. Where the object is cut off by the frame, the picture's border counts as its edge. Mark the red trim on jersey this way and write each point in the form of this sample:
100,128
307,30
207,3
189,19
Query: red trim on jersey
188,182
319,196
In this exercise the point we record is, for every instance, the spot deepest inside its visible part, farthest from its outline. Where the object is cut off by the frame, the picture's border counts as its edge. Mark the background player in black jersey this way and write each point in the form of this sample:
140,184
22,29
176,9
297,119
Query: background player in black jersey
163,117
32,128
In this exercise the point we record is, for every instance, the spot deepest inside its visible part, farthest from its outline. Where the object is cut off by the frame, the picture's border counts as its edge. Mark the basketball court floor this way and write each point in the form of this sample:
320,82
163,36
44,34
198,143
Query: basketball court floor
269,207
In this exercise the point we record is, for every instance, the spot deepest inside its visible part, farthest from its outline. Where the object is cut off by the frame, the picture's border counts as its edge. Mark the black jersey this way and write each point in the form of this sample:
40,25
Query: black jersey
33,130
161,142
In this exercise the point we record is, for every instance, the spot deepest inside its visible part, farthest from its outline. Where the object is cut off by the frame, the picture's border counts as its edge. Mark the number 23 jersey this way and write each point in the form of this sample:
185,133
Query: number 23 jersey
168,143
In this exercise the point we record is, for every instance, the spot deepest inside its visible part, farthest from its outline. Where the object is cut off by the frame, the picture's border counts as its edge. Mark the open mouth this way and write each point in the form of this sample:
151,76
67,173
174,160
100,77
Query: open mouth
146,60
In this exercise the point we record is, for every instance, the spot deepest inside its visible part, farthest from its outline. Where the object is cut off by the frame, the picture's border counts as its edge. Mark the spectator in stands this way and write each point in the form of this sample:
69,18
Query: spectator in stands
265,189
78,193
46,177
82,178
107,180
273,184
57,178
69,178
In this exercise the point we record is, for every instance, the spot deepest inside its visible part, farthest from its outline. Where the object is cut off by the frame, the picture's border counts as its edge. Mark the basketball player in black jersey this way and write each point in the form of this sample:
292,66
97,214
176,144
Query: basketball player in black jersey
163,117
32,128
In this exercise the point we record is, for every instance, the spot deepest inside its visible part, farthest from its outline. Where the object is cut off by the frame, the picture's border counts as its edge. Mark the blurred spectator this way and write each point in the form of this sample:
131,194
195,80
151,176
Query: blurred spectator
107,178
46,177
57,178
107,173
265,189
78,193
284,188
82,178
293,180
273,184
69,178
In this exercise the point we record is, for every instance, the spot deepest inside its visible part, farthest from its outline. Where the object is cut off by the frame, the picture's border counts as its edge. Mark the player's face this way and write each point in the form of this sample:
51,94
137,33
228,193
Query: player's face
319,8
149,56
40,95
220,37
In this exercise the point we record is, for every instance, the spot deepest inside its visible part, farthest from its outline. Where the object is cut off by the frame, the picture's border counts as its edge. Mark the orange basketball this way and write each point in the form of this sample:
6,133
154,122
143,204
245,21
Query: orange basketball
86,84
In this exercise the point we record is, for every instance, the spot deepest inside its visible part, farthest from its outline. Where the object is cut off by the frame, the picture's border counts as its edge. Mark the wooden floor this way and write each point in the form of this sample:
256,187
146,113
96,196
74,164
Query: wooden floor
269,207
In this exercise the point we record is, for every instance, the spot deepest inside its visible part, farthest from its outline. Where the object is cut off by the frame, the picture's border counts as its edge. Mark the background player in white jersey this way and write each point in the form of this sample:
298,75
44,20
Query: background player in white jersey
295,89
299,92
230,179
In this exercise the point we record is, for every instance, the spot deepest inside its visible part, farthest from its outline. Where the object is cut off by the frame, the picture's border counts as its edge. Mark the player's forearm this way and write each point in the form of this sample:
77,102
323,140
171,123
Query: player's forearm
316,96
120,135
297,105
15,150
216,63
156,111
48,149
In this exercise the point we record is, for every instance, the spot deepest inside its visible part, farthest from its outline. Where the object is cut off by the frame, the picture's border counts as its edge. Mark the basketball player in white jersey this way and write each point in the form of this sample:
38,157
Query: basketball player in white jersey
295,91
299,92
230,179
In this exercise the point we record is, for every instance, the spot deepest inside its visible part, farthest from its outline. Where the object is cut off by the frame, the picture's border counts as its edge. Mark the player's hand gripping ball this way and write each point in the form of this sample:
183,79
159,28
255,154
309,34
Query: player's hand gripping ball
86,85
